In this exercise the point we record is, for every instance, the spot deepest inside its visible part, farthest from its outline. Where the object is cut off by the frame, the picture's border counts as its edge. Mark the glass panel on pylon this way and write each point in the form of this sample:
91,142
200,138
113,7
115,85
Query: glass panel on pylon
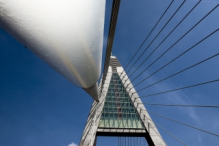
118,110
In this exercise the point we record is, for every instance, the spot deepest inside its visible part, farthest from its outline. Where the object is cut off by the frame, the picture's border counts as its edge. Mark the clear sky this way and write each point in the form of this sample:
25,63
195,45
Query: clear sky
38,107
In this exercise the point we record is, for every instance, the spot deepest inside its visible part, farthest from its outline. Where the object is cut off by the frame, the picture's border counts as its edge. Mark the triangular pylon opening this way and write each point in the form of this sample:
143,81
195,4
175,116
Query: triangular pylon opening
118,110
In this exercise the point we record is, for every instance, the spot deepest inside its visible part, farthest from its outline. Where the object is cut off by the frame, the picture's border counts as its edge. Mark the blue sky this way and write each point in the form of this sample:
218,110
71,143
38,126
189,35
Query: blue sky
40,107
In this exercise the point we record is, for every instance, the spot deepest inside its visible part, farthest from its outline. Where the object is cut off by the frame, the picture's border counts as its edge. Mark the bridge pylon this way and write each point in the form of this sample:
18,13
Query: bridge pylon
120,111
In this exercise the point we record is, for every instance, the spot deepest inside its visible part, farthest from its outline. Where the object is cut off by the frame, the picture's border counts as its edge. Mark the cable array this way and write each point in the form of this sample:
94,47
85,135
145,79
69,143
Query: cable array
131,141
182,105
168,132
183,124
178,71
165,39
148,36
157,35
175,44
137,74
190,86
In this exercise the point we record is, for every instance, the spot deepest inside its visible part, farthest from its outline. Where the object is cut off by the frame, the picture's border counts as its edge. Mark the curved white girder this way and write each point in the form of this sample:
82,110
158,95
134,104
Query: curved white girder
67,35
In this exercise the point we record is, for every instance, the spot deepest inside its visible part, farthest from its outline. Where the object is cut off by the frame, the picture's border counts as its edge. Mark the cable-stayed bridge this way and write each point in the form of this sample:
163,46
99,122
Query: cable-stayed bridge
137,76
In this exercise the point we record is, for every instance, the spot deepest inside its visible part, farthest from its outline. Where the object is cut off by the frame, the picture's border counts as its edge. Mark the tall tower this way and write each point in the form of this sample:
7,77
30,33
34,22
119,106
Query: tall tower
120,111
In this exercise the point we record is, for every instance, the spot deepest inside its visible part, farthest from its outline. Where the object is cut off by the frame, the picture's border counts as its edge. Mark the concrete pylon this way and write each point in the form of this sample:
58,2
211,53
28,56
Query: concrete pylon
119,112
